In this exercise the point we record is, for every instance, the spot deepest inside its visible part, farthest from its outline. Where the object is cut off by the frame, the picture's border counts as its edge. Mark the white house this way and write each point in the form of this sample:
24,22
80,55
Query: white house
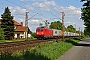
20,30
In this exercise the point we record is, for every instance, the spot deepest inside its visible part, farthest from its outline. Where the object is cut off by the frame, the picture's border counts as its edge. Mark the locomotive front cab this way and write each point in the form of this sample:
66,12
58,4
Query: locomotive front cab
43,33
39,32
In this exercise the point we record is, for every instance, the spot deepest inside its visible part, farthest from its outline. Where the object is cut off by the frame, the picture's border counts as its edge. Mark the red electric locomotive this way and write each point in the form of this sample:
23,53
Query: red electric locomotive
43,33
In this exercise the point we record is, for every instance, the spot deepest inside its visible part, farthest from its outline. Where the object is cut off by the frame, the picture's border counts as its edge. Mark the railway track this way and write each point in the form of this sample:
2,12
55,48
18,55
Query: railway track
22,45
18,46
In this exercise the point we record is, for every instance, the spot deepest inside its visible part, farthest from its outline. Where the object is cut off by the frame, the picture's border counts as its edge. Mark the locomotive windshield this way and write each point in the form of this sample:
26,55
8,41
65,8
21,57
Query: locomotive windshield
39,30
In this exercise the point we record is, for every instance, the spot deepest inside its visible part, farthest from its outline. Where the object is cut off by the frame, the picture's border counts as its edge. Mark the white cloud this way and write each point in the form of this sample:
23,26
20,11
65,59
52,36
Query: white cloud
50,3
10,7
71,7
70,11
69,23
44,6
36,4
75,25
23,0
28,7
19,19
18,10
39,0
35,21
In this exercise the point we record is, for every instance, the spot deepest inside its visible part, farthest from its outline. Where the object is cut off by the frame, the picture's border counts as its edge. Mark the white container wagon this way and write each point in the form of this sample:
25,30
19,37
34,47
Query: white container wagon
57,33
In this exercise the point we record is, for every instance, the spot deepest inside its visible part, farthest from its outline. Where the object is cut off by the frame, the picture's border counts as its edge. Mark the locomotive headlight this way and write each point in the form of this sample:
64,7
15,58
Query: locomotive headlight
42,32
37,32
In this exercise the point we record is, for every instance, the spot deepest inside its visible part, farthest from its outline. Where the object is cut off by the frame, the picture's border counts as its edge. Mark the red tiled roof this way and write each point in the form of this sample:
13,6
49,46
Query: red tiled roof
16,23
20,28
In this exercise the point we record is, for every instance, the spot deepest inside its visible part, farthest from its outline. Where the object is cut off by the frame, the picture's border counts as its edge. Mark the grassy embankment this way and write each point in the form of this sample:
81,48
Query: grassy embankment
46,51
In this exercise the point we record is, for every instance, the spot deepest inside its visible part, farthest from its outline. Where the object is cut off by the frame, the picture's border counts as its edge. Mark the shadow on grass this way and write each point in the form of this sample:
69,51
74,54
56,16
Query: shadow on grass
72,41
84,45
7,56
33,56
79,44
25,56
77,39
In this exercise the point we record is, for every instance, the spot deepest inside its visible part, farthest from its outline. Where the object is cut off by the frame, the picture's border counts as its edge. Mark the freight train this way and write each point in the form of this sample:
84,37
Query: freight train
45,33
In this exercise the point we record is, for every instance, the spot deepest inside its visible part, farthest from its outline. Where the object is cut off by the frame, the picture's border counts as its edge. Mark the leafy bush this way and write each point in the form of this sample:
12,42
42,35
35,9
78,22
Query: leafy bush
1,34
33,34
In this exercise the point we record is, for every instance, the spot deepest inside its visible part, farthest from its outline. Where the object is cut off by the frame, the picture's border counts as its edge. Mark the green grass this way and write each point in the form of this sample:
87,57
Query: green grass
16,40
46,51
54,50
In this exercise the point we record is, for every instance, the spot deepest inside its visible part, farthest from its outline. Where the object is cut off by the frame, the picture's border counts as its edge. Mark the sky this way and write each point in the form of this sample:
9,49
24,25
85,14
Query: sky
41,10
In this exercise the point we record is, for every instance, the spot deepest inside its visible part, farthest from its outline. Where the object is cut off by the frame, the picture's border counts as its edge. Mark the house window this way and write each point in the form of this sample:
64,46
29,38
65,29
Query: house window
14,27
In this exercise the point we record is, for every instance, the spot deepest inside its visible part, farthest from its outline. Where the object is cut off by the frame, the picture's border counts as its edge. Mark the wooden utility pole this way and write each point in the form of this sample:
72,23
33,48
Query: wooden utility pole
63,25
26,25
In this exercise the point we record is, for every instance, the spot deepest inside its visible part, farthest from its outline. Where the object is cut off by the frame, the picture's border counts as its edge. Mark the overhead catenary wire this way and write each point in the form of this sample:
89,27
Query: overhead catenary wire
33,11
32,16
14,3
17,5
2,7
56,16
50,12
20,6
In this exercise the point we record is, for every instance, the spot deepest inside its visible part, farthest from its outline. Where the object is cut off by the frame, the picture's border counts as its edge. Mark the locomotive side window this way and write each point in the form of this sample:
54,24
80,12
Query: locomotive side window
41,29
38,30
55,32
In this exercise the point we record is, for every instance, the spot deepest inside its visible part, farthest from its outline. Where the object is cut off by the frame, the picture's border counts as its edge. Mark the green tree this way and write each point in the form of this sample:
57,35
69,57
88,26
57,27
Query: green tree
59,25
40,24
46,23
70,28
56,25
1,34
85,15
53,25
33,34
7,24
86,33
